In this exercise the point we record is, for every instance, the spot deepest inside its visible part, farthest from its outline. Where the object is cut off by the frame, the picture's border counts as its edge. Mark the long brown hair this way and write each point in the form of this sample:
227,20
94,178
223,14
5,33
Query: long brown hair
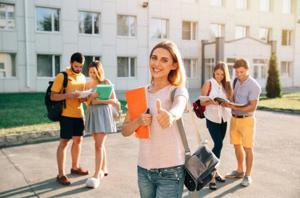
226,83
99,68
175,77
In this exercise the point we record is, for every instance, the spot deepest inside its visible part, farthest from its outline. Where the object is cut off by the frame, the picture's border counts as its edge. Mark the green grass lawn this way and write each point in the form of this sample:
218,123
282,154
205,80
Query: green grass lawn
288,102
21,112
26,112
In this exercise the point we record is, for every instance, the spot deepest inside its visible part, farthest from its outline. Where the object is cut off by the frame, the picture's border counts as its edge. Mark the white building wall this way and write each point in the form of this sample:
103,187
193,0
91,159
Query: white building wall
109,46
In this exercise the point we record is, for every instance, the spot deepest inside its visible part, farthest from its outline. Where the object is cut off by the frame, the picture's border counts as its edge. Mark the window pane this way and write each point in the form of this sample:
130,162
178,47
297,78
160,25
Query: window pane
187,64
194,31
255,72
217,3
164,28
88,60
57,65
122,28
7,65
241,4
263,34
132,67
264,5
96,23
240,32
122,67
56,20
263,72
44,65
131,25
186,30
216,30
286,6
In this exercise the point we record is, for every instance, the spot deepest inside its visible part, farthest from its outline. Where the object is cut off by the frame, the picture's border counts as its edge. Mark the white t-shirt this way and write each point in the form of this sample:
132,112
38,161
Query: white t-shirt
216,113
164,148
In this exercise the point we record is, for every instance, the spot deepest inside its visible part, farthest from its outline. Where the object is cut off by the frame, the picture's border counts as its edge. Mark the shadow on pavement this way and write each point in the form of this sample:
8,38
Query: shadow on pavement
206,191
46,186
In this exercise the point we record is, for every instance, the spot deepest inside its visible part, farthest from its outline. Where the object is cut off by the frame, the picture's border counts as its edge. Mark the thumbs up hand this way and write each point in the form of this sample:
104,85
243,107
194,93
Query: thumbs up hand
164,118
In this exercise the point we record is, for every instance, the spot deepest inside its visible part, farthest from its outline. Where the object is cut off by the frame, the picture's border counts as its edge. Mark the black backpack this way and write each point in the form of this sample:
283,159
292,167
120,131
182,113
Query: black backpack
54,108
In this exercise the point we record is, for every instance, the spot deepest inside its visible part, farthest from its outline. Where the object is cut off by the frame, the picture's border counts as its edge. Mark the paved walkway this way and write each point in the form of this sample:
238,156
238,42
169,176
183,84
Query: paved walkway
30,170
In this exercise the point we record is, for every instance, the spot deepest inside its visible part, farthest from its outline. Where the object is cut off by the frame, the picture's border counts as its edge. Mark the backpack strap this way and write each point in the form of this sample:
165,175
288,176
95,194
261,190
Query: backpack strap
234,82
65,84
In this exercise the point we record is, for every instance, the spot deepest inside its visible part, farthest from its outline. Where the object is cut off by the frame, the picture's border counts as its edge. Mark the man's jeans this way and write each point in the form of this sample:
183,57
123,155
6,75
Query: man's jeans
161,183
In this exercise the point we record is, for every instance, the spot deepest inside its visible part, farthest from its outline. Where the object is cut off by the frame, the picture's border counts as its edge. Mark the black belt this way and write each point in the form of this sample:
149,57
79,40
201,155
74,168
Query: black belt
241,116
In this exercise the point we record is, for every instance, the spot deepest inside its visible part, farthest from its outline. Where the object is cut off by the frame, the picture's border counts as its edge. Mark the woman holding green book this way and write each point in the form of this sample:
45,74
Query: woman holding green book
99,118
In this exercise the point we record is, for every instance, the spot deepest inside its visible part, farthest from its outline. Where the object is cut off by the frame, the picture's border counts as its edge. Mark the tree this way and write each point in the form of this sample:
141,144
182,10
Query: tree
273,86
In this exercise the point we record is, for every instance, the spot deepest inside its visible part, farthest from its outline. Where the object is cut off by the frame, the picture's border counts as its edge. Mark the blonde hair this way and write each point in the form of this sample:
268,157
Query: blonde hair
99,70
226,80
176,77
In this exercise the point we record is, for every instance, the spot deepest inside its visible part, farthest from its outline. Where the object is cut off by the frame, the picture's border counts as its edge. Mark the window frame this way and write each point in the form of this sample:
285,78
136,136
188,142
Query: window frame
217,3
129,58
53,56
52,20
129,28
161,34
243,3
246,31
287,71
289,6
221,29
193,29
288,40
193,64
13,56
93,22
261,6
6,17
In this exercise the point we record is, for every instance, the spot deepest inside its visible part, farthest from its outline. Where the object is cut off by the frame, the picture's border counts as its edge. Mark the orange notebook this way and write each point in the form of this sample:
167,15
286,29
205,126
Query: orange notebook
137,105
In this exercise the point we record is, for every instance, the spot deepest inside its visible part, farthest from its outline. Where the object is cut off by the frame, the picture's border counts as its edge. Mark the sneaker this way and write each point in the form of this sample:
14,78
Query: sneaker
92,182
63,180
246,181
235,175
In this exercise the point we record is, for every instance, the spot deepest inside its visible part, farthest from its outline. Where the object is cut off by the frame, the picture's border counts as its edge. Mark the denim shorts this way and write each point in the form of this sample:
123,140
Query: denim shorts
161,183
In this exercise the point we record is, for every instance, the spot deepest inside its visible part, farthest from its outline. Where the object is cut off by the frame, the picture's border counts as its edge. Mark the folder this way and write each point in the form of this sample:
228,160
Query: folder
104,91
137,105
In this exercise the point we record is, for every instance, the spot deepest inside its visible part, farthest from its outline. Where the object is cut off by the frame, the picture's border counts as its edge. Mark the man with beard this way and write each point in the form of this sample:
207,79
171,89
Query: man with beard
71,122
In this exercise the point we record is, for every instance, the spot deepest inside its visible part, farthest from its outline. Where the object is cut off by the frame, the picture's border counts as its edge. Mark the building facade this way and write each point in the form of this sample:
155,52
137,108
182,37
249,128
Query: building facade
37,38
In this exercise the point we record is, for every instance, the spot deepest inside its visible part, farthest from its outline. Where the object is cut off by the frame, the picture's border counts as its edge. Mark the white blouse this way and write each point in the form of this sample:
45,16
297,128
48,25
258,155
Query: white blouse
216,113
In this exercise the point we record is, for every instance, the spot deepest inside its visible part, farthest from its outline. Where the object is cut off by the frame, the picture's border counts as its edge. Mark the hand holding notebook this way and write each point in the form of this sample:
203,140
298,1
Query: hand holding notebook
137,105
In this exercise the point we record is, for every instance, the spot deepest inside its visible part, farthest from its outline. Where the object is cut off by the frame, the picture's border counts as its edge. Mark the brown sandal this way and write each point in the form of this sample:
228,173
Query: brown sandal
63,180
79,171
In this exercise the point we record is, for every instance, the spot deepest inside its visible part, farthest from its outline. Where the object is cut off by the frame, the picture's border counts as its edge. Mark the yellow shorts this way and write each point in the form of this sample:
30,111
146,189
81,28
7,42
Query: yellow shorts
242,131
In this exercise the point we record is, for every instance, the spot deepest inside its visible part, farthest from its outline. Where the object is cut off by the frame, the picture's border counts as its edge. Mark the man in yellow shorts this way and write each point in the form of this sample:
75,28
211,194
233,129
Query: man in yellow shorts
243,122
71,121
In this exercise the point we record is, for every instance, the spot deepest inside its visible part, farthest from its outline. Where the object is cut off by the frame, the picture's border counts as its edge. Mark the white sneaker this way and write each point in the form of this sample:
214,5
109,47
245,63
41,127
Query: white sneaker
246,181
92,182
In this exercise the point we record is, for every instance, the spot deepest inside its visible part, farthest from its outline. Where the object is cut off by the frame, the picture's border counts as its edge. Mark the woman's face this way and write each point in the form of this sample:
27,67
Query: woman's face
161,63
92,72
219,75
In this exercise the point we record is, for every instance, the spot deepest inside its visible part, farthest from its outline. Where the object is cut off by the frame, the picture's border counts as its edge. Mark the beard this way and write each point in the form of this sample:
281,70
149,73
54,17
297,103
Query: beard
76,72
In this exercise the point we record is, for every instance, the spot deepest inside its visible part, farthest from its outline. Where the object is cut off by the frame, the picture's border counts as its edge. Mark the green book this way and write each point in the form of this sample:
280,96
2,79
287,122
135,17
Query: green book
104,91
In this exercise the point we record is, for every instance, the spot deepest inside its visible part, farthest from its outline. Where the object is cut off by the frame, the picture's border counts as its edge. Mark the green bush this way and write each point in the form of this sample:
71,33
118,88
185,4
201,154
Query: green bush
273,86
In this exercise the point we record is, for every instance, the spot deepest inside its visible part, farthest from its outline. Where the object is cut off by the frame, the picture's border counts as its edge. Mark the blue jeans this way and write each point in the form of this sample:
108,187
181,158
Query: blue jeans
161,183
217,132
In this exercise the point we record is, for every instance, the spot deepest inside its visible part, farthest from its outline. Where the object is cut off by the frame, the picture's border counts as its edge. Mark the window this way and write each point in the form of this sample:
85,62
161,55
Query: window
242,4
241,31
286,37
189,30
7,65
286,7
230,63
264,5
7,16
265,34
47,19
190,67
159,28
216,3
88,60
286,68
126,25
217,30
89,23
260,68
48,65
126,67
209,66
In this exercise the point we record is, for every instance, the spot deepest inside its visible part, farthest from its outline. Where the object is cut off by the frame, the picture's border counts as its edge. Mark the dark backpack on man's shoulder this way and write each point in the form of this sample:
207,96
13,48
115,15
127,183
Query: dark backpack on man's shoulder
54,108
